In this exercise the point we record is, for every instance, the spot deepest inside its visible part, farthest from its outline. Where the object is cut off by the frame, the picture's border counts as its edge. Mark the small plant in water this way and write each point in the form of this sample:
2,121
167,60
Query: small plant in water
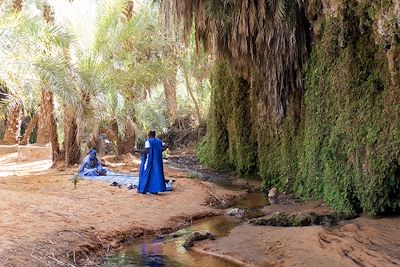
75,179
193,175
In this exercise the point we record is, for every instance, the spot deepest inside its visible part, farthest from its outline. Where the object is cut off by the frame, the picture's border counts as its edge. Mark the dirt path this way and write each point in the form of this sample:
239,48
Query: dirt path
45,222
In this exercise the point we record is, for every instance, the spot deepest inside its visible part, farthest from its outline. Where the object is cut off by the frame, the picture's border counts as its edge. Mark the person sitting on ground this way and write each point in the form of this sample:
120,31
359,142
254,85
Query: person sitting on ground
91,165
151,173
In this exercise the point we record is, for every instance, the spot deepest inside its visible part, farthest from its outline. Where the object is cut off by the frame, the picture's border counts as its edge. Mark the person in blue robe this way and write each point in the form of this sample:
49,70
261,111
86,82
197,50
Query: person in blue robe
151,172
91,165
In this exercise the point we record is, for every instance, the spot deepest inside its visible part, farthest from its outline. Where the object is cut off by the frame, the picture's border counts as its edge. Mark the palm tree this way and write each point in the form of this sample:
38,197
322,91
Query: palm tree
101,86
15,112
29,129
47,130
170,83
46,101
132,44
13,123
23,41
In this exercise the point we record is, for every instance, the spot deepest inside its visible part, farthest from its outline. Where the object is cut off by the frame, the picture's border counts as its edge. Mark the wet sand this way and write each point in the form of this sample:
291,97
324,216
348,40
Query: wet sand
359,242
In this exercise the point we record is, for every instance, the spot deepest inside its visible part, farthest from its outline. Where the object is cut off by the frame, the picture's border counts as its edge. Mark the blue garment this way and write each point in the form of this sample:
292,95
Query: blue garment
151,177
91,166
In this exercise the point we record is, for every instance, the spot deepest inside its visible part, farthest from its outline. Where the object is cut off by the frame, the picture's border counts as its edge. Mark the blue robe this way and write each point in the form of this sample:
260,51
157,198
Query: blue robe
151,178
90,167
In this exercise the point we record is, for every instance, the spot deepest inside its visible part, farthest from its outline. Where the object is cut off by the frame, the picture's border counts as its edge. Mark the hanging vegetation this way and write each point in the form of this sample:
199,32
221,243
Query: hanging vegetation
336,139
264,41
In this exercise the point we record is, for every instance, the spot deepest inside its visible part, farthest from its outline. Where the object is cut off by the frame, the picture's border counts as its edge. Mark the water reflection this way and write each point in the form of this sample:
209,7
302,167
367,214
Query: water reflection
151,254
219,226
168,251
253,200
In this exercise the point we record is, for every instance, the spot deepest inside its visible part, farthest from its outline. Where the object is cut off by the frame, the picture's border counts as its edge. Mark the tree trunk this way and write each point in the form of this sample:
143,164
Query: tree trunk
47,130
48,13
116,138
13,126
17,5
128,11
129,141
32,124
46,100
45,110
47,126
189,88
170,96
72,152
52,127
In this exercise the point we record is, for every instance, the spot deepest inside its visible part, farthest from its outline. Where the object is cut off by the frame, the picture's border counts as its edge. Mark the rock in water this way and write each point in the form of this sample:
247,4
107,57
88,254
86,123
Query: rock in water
273,192
197,236
276,219
236,212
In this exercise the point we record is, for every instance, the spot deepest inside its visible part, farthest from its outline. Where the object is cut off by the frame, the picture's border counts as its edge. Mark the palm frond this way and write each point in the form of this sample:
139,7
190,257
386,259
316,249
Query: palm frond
265,39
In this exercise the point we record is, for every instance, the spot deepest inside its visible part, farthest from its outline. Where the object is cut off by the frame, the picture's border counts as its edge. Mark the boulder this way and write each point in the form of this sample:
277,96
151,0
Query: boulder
197,236
236,212
273,193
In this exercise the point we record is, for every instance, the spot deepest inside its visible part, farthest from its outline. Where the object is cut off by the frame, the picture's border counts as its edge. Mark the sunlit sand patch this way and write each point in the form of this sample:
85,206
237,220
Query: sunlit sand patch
8,158
24,160
23,168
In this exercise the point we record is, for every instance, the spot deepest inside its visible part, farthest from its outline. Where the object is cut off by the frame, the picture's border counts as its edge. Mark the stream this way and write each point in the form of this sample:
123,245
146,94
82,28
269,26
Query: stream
168,250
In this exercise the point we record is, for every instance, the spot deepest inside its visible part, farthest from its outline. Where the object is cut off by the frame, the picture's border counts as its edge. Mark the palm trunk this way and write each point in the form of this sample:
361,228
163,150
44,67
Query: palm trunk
46,109
117,137
17,6
52,127
72,152
94,142
129,141
48,126
32,124
170,96
128,11
13,126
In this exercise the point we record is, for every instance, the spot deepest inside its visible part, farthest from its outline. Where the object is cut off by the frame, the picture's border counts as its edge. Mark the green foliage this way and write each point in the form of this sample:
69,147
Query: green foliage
75,179
150,114
229,142
340,140
23,58
350,154
193,175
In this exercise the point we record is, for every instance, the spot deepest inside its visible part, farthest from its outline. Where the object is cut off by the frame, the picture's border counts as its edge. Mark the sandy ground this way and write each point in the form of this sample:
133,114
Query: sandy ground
46,222
359,242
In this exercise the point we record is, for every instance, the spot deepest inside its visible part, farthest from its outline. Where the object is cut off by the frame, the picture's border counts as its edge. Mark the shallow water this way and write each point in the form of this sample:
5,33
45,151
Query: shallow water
253,200
168,250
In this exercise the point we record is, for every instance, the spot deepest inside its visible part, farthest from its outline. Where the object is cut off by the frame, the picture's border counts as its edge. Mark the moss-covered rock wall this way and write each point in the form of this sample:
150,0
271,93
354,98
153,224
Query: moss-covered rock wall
229,142
340,139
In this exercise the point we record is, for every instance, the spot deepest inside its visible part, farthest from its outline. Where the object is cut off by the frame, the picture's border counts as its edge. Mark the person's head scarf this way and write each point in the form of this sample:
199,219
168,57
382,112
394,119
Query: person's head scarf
92,153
